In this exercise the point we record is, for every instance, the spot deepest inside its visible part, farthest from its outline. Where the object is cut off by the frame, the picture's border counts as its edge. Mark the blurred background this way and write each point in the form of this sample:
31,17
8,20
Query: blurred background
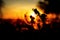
30,16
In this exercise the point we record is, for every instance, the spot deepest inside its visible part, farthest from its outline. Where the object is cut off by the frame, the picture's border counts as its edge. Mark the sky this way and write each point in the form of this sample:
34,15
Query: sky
17,8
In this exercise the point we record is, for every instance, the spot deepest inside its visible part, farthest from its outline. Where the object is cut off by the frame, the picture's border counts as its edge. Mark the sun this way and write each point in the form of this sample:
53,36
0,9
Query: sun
32,14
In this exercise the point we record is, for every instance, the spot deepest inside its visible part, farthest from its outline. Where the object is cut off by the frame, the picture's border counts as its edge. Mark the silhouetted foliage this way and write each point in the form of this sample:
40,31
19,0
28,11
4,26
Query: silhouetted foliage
6,26
1,5
52,6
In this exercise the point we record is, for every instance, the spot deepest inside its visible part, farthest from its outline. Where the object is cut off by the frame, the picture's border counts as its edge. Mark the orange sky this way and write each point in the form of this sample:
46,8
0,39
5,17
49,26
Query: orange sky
17,8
